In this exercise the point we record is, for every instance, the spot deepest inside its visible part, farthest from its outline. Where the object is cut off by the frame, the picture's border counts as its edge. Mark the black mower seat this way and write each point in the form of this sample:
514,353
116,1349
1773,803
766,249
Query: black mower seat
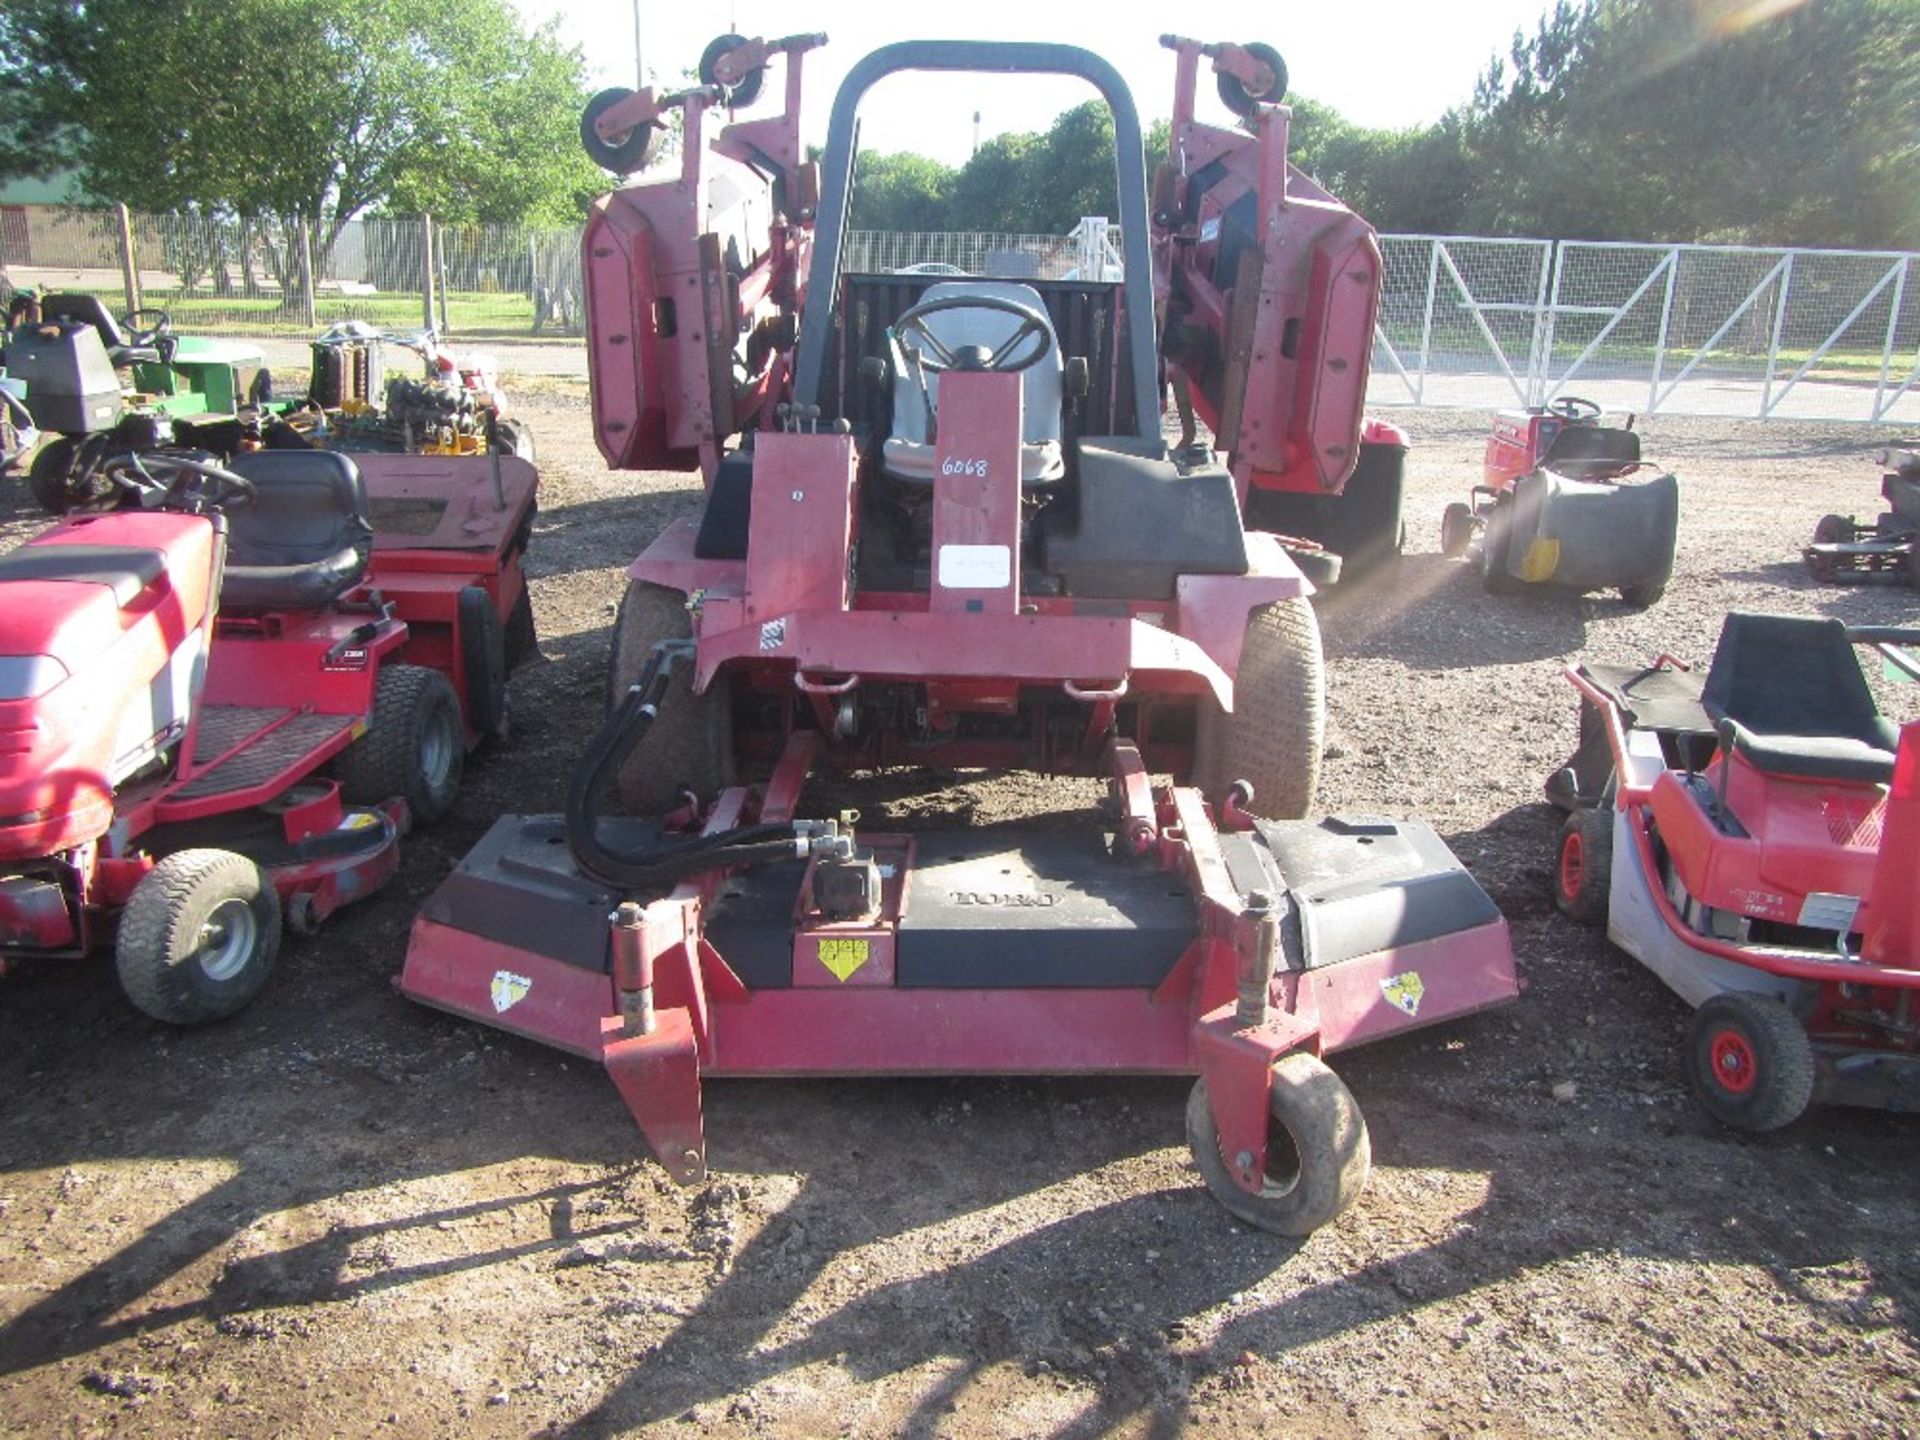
304,541
88,310
1786,693
1592,452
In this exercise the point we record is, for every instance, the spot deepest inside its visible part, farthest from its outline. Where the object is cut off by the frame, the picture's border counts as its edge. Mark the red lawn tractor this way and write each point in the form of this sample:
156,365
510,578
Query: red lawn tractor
221,706
1565,502
942,526
1754,840
1888,550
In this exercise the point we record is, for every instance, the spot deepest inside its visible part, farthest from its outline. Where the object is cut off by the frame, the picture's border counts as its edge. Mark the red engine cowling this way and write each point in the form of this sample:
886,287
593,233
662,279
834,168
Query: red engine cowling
103,634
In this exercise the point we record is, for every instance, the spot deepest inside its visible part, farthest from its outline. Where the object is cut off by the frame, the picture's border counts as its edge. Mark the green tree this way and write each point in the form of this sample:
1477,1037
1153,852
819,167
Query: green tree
309,110
901,192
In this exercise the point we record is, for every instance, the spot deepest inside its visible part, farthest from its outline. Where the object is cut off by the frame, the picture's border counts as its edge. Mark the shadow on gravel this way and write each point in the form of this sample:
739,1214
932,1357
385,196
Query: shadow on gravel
1394,616
596,534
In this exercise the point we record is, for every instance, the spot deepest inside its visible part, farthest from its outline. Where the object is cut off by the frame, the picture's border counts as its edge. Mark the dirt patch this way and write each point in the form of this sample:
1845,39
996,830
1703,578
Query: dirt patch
343,1213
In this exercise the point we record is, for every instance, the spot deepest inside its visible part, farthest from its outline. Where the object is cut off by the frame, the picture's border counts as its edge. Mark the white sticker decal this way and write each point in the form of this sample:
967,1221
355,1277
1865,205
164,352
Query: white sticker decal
1403,992
773,634
509,990
975,567
1824,911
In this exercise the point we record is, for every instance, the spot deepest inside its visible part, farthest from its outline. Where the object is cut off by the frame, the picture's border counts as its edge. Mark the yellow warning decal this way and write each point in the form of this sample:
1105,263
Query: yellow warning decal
1403,992
843,957
1542,559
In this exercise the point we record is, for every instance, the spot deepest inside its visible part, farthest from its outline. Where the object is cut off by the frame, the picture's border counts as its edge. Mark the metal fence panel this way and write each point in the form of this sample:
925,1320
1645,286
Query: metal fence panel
1460,320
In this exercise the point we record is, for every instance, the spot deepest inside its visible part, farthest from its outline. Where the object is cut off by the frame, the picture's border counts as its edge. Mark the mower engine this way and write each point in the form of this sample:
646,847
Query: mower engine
437,418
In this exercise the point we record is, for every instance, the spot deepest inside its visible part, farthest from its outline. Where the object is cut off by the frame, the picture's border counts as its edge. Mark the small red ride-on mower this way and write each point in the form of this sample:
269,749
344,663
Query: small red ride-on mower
215,721
1563,503
1885,552
1754,840
958,537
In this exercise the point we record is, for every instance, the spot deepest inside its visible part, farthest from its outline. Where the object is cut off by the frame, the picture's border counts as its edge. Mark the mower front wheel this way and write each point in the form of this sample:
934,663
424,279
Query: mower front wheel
51,472
1584,872
1832,530
414,749
690,744
1272,739
1456,530
1749,1062
1318,1153
199,937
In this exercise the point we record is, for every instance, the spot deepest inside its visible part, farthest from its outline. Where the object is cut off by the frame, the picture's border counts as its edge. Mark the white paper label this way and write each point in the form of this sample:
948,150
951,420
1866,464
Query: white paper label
975,567
1822,911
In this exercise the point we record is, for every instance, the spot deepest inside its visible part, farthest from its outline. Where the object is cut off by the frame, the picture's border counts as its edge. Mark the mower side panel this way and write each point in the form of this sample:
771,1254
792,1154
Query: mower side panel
1588,536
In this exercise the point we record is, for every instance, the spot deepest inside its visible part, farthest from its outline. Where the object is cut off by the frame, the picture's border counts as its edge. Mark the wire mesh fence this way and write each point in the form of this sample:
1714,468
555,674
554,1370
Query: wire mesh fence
1464,320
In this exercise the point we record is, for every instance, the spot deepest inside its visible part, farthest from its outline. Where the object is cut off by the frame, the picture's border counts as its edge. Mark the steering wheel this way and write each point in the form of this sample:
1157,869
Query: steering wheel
1572,407
170,480
937,357
146,335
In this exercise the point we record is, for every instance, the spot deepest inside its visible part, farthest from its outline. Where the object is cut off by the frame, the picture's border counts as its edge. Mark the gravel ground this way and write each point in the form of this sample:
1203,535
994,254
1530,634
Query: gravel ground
340,1213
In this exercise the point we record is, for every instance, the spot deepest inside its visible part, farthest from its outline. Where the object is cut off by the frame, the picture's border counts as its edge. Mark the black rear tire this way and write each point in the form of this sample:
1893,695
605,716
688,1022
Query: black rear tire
1318,1152
51,471
1749,1062
1272,740
1643,597
515,437
691,742
1456,530
414,748
1582,874
624,155
199,937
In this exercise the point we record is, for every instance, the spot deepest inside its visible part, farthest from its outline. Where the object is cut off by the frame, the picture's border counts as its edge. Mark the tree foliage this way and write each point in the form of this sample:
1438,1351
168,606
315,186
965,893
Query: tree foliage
315,110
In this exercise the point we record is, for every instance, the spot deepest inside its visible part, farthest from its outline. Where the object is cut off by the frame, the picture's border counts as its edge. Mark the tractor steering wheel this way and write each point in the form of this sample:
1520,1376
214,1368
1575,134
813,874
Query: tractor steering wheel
1572,407
170,480
146,335
934,355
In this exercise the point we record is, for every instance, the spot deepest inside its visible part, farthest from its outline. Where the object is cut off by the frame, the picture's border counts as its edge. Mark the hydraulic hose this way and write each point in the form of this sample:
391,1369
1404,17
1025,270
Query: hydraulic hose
609,749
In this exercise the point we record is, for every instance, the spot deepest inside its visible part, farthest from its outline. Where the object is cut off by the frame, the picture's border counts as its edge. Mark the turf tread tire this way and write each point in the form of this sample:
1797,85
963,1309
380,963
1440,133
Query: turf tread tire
1273,738
1329,1137
47,475
1592,829
384,763
1783,1060
691,740
167,909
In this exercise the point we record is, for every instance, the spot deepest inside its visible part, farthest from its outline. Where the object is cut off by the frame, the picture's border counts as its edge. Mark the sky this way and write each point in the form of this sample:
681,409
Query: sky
1381,63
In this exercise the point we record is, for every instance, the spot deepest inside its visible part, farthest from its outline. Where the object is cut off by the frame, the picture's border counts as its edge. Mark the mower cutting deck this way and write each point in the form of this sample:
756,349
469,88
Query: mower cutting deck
1754,840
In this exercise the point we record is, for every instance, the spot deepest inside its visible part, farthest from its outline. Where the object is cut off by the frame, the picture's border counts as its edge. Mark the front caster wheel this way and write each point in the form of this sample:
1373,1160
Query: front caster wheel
1318,1154
1749,1062
1584,871
198,937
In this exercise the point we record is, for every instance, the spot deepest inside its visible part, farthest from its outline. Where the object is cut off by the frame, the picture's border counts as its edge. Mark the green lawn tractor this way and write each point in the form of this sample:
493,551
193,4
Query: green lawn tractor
98,387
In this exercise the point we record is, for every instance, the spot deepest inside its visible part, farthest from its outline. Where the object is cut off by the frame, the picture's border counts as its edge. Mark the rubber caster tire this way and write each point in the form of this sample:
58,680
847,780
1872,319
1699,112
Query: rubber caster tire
1749,1062
1273,738
744,91
690,745
1456,530
1235,96
414,748
625,155
198,938
1318,1153
1583,871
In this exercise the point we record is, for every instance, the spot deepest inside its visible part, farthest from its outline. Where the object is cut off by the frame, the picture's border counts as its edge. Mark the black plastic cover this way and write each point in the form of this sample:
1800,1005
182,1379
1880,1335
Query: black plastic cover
1139,524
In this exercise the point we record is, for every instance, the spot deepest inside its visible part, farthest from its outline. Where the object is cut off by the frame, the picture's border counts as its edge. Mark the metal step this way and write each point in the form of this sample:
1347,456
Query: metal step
262,759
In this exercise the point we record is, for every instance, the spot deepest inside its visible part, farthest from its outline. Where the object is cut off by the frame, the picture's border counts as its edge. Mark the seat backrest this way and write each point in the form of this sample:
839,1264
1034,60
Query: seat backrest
309,505
1040,386
1585,452
1790,675
86,310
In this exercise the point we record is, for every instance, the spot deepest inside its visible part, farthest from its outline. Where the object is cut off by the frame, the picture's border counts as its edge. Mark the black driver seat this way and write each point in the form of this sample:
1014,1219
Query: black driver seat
89,310
1786,692
306,538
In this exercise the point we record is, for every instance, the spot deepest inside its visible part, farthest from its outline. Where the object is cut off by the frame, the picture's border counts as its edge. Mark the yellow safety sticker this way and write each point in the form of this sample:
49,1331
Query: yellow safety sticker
359,820
1541,560
1403,992
509,990
843,957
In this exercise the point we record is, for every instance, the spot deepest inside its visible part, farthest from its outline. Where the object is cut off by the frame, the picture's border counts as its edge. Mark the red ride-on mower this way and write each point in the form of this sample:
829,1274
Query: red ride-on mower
208,728
1564,503
1885,552
1755,842
965,543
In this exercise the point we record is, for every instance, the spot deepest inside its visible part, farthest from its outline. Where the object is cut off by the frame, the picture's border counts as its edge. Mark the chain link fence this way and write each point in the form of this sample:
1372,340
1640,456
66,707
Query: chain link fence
228,275
1465,321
